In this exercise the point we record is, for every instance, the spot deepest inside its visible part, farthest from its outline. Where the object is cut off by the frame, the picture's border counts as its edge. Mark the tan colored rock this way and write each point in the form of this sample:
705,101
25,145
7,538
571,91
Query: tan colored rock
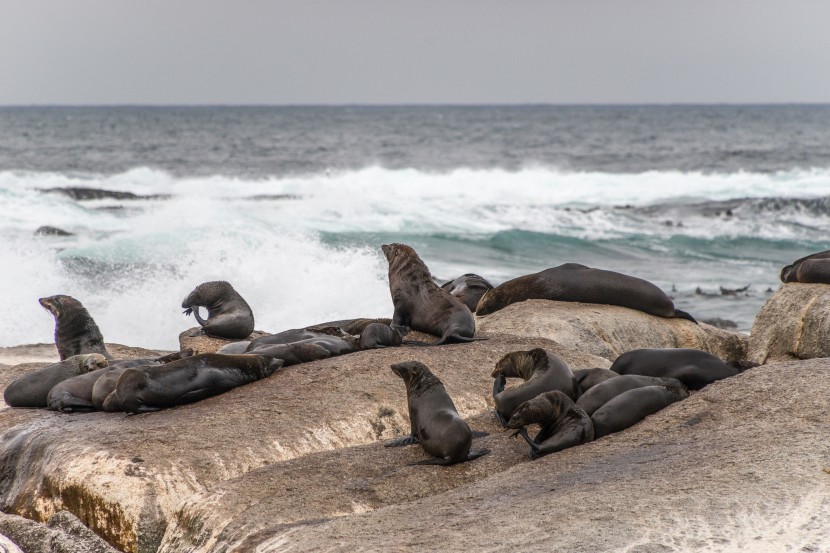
793,324
199,342
609,330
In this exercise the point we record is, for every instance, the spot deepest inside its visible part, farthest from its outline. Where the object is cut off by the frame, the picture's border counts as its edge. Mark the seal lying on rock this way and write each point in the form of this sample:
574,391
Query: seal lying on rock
420,303
542,372
605,391
379,335
229,315
75,394
105,384
293,335
588,378
629,408
75,331
563,423
191,379
694,368
575,282
434,420
814,268
311,349
32,389
468,289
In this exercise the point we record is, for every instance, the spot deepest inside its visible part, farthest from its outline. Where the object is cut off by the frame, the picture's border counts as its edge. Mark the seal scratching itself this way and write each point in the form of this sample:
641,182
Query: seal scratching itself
563,423
434,421
229,315
420,303
75,331
32,389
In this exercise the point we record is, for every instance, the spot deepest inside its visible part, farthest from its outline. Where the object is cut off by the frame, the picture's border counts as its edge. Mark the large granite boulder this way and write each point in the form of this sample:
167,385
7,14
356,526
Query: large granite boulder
199,342
609,330
793,324
62,533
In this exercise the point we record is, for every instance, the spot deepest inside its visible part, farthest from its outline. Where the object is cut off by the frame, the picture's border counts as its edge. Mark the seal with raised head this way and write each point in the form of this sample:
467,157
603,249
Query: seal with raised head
468,289
607,390
817,269
32,389
75,330
191,379
434,421
629,408
693,367
420,303
588,378
311,349
575,282
542,372
229,315
563,423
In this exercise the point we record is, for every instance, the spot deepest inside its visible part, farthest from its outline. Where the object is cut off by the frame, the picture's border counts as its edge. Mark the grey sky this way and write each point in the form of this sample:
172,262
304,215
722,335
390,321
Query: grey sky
367,52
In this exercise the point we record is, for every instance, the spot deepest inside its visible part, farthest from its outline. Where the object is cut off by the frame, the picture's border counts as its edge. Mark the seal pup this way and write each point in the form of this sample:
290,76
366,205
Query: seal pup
575,282
605,391
75,330
434,421
693,367
468,289
542,372
75,394
379,335
229,315
420,303
629,408
816,268
312,349
563,423
32,389
145,389
588,378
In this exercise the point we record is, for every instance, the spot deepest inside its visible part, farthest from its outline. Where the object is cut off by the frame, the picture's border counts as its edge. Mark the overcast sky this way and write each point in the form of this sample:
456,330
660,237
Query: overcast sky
416,51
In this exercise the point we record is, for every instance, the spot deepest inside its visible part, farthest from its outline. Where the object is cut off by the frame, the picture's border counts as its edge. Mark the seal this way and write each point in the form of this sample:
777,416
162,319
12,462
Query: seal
229,315
588,378
693,367
420,303
75,331
817,268
349,326
311,349
75,394
32,389
434,421
293,335
542,372
379,335
105,384
563,423
629,408
468,289
605,391
575,282
145,389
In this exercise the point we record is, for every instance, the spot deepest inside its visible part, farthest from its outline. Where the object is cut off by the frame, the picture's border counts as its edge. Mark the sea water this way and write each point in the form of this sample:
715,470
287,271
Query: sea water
292,204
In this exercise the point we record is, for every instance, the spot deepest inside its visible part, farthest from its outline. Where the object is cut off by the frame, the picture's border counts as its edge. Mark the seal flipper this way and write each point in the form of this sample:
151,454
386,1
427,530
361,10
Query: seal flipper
499,383
199,318
678,314
523,433
476,453
403,440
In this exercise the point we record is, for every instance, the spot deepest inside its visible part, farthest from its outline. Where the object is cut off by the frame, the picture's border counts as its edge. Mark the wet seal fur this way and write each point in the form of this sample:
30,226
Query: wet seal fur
575,282
229,315
693,367
542,372
468,289
420,303
32,389
629,408
191,379
812,269
434,421
607,390
75,330
563,423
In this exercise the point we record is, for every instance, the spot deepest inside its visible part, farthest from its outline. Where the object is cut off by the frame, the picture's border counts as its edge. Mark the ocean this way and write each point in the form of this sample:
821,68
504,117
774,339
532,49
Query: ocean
292,204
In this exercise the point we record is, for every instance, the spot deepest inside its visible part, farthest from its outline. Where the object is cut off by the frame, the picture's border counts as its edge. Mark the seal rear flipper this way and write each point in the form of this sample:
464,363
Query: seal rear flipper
498,384
678,314
534,447
476,453
403,440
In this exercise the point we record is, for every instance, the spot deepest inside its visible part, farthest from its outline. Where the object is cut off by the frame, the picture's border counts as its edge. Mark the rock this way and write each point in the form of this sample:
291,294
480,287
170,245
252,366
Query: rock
200,342
63,533
793,324
52,231
608,330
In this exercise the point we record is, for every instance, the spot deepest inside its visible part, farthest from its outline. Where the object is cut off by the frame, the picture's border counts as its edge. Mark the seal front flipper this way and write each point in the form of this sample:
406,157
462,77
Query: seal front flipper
476,453
683,315
403,440
502,420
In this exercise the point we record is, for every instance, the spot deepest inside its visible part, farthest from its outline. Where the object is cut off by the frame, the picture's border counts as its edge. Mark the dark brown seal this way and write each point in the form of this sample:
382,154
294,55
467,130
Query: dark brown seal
629,408
32,389
693,367
817,269
605,391
311,349
75,331
563,423
229,315
542,372
575,282
434,421
420,303
379,335
75,394
588,378
106,383
468,289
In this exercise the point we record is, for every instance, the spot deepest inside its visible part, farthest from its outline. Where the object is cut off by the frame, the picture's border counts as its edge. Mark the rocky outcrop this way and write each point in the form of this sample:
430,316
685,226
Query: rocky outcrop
62,533
608,330
199,342
793,324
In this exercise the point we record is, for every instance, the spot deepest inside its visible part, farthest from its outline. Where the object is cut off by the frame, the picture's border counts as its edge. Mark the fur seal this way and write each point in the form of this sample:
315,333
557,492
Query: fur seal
420,303
575,282
629,408
349,326
605,391
468,289
75,394
816,271
588,378
293,335
191,379
693,367
32,389
563,423
434,420
542,372
75,330
229,315
379,335
105,384
311,349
